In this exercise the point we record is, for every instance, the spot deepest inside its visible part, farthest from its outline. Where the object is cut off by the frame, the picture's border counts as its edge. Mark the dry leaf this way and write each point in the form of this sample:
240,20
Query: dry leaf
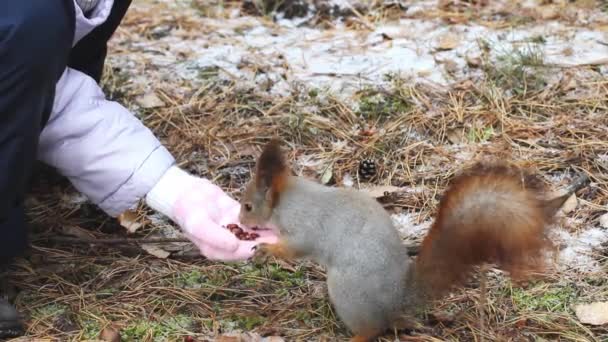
604,220
380,191
448,42
153,249
567,82
456,136
522,323
424,73
595,313
189,339
464,85
150,100
450,66
128,219
229,339
77,232
548,12
570,204
473,61
327,174
110,334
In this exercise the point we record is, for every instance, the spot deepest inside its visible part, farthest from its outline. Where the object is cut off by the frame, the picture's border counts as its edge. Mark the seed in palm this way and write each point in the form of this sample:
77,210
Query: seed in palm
367,169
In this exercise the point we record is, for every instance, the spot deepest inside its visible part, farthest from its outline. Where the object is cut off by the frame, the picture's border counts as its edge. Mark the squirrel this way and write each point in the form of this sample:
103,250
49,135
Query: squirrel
491,213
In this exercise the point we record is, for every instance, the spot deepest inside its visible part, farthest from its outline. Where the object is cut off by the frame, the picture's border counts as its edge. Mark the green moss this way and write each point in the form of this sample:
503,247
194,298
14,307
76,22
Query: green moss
518,70
50,310
539,39
312,93
374,104
208,73
90,328
248,323
544,298
196,279
160,331
480,134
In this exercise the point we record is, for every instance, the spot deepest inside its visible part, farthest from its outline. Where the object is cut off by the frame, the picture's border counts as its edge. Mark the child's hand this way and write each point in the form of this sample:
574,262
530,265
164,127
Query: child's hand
203,211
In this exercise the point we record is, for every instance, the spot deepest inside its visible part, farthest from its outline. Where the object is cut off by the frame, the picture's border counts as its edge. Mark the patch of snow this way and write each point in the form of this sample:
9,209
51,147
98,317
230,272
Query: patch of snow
309,161
405,224
276,57
579,248
347,181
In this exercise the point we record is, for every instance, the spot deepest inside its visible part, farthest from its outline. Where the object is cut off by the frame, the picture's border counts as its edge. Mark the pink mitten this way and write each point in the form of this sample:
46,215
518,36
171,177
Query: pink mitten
202,210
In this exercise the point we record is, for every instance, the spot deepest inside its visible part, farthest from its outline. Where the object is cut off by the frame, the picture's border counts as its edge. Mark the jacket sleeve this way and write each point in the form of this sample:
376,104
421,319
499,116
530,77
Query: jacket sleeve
102,148
86,24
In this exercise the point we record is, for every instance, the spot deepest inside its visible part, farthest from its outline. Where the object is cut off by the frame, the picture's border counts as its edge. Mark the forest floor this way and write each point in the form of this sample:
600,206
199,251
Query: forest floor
420,88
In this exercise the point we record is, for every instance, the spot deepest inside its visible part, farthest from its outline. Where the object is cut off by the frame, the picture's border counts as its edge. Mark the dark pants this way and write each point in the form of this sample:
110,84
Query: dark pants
35,48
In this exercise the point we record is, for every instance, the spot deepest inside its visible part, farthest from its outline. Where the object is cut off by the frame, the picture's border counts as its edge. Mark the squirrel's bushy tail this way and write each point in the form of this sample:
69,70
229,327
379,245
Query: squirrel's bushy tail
490,213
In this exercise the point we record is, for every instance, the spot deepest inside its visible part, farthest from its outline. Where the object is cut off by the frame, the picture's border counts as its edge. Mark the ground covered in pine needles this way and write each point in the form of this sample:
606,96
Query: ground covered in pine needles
416,88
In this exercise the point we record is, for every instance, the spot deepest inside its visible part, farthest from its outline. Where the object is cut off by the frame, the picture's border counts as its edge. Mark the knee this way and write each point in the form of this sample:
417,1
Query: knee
38,37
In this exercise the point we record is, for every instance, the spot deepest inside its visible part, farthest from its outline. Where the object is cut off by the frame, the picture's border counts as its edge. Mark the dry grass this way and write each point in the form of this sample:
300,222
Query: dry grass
418,135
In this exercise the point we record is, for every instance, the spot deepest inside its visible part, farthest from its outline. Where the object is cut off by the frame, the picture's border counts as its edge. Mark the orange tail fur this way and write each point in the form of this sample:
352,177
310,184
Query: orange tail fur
491,213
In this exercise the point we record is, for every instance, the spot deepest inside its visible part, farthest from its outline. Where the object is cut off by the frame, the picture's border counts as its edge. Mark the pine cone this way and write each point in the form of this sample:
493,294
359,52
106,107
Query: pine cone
367,169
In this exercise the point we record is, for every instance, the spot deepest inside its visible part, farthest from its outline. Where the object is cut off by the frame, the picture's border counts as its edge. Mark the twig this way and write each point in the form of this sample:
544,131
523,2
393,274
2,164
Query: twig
114,240
597,62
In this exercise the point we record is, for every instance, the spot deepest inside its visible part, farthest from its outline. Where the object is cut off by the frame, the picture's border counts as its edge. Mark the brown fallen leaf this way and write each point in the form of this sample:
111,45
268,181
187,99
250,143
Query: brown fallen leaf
110,334
473,61
570,204
594,313
441,317
150,100
450,66
155,250
225,338
77,232
567,82
327,175
448,42
456,136
522,323
128,219
548,12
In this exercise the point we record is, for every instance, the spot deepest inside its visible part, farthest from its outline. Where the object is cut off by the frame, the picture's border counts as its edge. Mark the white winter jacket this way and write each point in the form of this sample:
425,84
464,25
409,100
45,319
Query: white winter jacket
105,151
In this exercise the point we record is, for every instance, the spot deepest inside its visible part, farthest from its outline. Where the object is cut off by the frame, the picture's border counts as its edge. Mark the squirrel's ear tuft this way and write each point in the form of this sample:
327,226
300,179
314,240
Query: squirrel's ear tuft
272,171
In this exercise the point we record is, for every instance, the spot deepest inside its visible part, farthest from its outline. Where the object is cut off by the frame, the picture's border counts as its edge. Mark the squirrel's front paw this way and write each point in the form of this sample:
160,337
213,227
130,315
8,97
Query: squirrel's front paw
262,253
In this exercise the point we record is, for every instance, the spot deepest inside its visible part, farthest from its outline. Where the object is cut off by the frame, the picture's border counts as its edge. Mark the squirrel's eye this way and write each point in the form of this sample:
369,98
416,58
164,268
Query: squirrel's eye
248,207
